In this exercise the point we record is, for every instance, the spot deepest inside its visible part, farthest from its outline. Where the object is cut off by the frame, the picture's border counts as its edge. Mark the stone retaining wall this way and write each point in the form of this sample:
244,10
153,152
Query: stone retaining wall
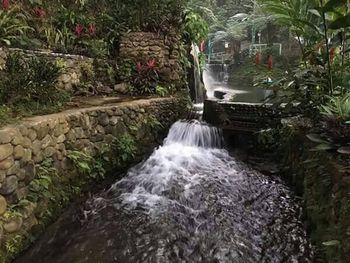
142,46
322,178
76,69
25,146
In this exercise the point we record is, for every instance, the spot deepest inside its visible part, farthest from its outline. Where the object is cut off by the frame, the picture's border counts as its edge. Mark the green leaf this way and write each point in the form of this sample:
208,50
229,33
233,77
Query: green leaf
316,138
6,41
341,22
332,4
315,12
344,150
331,243
322,147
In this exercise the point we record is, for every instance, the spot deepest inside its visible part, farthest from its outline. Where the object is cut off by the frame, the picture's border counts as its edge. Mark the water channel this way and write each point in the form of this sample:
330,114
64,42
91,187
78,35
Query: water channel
190,201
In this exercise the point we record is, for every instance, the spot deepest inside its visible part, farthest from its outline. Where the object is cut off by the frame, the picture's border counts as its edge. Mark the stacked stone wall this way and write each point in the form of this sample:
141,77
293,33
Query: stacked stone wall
142,46
76,69
25,146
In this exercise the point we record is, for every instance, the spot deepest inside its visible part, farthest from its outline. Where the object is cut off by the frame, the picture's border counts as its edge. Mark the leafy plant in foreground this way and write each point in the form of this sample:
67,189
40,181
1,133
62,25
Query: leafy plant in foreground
124,148
338,107
337,119
87,165
13,27
145,78
29,81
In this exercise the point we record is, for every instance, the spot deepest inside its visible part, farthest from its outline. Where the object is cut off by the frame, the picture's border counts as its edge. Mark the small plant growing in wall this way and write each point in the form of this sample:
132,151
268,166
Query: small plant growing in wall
41,186
153,123
125,149
87,165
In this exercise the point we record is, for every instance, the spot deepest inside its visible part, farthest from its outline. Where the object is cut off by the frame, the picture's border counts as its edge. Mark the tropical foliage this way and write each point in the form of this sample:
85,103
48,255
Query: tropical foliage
321,82
84,27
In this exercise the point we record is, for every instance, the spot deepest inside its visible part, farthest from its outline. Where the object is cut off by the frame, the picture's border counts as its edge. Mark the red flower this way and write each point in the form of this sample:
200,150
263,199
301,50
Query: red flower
139,67
78,29
151,63
5,4
92,29
331,54
39,12
257,58
270,62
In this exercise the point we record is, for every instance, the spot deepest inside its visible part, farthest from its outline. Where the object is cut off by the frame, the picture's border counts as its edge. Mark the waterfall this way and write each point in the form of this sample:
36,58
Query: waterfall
190,201
198,84
216,78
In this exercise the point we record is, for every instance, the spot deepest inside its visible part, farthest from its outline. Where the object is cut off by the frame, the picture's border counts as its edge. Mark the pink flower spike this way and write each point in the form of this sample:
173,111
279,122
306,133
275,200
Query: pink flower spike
5,5
92,29
151,63
139,67
39,12
79,29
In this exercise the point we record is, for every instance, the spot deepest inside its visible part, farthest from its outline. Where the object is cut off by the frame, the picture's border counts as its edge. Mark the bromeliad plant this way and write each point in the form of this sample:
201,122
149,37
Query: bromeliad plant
145,78
13,26
335,126
337,118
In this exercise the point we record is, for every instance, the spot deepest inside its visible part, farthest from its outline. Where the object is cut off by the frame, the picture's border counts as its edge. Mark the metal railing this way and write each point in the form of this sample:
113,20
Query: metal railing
260,47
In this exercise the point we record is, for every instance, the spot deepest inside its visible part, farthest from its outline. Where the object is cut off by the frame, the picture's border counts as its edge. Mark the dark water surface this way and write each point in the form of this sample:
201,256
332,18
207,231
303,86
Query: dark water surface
189,202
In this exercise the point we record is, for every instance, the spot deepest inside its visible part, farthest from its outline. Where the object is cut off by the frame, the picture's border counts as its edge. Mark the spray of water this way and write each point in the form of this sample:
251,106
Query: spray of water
189,202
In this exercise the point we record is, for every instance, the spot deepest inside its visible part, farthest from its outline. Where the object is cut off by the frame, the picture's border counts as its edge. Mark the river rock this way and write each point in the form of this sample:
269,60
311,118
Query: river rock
49,151
26,143
3,205
114,120
7,164
14,169
27,155
39,157
42,131
71,136
5,136
13,225
21,174
121,88
9,185
18,152
18,140
46,142
32,135
5,151
30,172
23,130
79,133
103,119
2,176
61,139
36,147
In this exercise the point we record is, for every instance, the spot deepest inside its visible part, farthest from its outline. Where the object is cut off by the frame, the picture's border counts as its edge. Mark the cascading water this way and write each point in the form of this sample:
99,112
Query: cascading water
215,78
189,202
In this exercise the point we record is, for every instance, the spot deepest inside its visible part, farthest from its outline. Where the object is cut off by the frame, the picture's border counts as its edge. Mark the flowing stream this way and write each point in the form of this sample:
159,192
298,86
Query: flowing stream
190,201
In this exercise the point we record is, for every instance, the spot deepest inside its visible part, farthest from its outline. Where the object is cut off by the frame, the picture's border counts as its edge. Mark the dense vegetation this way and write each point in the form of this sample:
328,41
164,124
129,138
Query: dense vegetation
85,27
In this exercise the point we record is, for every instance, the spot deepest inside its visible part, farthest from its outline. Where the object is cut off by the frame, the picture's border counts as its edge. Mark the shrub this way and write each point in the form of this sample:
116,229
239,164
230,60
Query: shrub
145,78
29,81
13,27
124,148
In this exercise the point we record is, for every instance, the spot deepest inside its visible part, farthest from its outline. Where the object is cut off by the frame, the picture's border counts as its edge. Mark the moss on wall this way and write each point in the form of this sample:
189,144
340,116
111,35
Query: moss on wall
323,181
